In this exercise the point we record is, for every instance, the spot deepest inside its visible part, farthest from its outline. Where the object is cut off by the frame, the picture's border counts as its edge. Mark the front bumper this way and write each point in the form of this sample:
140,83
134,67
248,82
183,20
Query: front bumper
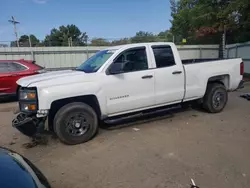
29,124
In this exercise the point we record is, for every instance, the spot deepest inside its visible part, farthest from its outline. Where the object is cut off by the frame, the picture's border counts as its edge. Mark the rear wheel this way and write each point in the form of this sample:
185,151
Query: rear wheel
75,123
215,98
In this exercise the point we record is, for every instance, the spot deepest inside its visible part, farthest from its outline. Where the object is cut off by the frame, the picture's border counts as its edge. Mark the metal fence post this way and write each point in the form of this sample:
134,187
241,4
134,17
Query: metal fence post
31,50
200,52
87,52
87,48
236,51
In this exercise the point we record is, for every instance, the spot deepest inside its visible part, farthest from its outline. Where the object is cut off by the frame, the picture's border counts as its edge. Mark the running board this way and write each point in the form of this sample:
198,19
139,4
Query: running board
115,120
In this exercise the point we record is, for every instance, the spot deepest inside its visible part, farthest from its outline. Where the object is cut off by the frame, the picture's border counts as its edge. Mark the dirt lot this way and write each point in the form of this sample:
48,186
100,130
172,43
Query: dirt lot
213,149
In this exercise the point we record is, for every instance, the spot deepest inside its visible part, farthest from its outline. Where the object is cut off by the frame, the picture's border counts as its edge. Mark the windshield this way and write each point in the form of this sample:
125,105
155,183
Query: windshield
95,62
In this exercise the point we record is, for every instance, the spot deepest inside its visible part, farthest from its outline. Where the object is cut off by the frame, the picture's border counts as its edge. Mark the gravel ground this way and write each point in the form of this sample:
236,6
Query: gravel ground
213,149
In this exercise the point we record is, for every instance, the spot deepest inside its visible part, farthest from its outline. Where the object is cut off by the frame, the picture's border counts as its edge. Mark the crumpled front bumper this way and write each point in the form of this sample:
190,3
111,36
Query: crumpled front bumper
28,124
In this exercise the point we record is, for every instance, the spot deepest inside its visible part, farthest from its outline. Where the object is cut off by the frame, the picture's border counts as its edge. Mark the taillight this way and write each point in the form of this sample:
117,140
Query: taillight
241,68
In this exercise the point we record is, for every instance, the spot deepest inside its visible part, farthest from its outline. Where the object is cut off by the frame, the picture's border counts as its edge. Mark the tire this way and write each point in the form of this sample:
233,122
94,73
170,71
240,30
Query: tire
215,98
75,123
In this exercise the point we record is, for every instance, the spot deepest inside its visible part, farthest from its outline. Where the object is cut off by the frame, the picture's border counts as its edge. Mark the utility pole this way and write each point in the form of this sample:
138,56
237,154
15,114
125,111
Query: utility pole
14,22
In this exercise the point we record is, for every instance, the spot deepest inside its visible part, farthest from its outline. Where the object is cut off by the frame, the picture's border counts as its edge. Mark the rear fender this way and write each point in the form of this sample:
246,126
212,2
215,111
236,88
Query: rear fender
223,79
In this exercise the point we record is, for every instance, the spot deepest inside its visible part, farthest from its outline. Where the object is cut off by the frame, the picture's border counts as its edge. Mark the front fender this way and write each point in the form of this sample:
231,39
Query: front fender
48,95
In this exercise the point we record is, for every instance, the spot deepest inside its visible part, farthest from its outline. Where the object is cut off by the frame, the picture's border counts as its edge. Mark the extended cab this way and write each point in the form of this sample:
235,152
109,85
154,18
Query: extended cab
118,83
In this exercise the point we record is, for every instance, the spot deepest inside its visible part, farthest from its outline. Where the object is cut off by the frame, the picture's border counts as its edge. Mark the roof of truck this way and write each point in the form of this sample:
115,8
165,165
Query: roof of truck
137,45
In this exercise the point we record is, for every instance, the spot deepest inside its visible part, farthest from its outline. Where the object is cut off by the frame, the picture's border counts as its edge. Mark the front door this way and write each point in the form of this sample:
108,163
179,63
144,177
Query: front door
132,89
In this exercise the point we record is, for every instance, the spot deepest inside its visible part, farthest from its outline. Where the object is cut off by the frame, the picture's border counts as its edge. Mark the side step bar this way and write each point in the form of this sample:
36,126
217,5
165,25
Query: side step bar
120,119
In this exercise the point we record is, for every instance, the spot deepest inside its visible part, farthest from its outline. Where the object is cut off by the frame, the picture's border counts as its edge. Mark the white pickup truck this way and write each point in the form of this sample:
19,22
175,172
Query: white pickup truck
118,83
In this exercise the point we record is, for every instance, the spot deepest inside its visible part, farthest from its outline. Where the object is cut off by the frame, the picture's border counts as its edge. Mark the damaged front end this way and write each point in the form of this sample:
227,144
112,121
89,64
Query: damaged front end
29,124
29,120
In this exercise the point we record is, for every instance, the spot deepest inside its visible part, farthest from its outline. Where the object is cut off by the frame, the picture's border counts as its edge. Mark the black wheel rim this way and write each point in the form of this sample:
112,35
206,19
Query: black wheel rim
77,124
219,99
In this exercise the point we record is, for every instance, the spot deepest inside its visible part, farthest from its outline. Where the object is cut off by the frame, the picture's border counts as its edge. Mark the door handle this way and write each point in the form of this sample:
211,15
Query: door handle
147,77
177,72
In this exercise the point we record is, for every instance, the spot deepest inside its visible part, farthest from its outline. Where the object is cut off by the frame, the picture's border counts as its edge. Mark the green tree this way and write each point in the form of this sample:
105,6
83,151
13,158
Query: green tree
13,44
65,36
143,36
204,21
173,6
121,41
99,42
165,36
238,28
24,41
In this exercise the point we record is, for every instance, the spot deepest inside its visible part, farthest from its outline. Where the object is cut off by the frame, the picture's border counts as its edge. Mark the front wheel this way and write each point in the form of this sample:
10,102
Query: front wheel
215,98
75,123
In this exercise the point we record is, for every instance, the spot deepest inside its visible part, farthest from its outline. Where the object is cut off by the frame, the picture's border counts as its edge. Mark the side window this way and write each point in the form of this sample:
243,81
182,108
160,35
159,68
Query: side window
134,60
4,67
163,56
120,59
16,67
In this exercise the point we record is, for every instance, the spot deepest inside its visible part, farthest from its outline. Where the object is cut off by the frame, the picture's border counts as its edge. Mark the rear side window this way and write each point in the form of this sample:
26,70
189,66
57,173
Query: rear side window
163,56
4,67
16,67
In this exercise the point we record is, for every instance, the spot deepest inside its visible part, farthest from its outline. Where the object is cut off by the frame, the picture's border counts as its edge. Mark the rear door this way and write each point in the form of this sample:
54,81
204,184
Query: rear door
169,76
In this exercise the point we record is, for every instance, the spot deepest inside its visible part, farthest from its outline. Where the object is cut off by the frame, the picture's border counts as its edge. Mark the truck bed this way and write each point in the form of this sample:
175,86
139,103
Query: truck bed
197,74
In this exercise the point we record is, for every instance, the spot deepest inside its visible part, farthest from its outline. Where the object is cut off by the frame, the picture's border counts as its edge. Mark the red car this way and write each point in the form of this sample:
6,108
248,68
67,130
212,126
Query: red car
12,70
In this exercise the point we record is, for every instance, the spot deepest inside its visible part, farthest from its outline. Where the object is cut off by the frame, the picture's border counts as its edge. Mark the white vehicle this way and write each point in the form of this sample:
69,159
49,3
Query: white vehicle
118,83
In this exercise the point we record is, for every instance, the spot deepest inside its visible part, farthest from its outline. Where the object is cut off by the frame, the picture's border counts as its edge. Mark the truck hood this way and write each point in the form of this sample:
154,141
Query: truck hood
53,76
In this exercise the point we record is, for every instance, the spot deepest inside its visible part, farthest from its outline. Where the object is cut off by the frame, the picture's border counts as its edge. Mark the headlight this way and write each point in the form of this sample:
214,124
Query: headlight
28,107
27,95
28,100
